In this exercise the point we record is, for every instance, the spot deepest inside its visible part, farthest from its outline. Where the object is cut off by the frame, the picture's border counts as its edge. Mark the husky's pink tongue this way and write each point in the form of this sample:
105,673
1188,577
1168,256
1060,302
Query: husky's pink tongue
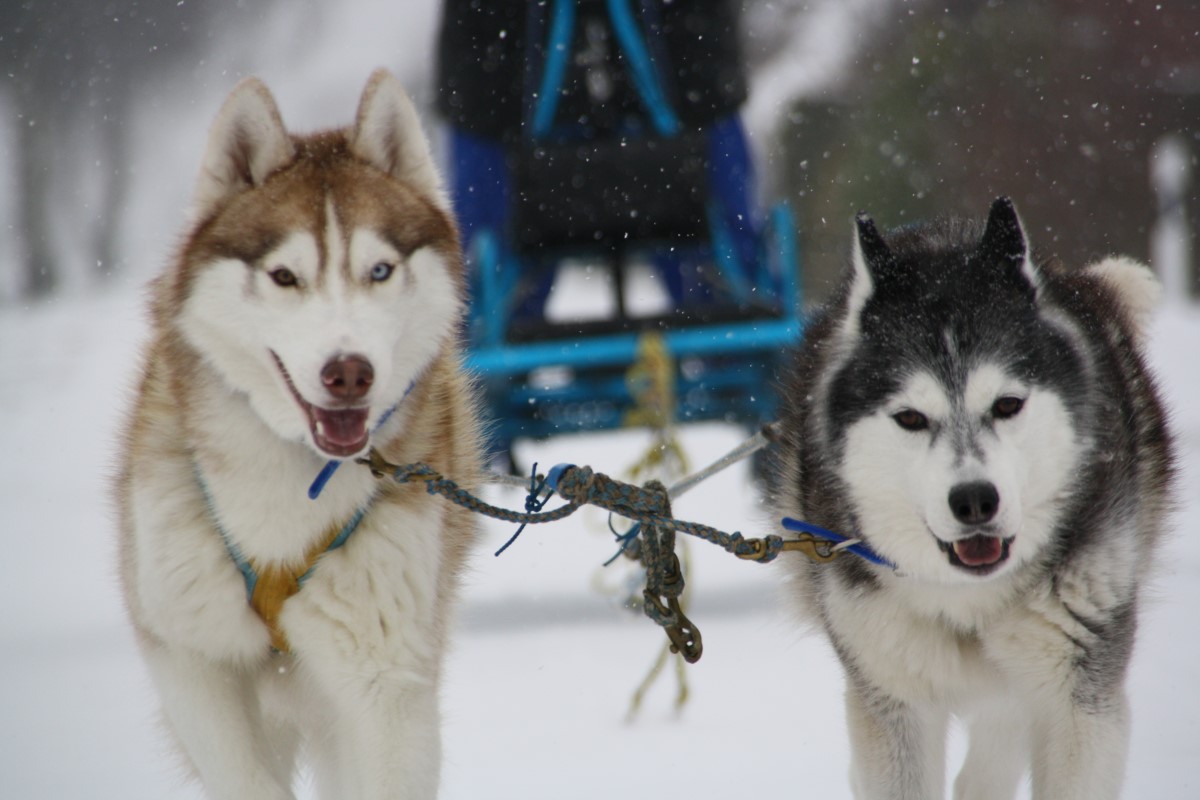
979,551
341,432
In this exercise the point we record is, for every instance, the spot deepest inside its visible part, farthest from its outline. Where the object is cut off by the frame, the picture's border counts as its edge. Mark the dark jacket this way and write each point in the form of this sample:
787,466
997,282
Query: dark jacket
487,58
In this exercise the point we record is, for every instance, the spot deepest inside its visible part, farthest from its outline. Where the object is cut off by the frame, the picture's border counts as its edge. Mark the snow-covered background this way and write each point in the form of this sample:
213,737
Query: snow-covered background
545,662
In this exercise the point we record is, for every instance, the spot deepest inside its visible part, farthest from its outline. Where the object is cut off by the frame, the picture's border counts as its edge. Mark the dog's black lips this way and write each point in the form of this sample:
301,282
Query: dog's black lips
337,432
977,542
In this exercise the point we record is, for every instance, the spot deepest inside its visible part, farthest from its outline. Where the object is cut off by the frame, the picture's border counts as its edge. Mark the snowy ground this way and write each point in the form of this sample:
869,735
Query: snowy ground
544,662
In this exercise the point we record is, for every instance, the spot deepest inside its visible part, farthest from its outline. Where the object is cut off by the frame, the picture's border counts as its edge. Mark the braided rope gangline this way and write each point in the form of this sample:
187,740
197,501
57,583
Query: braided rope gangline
581,486
651,540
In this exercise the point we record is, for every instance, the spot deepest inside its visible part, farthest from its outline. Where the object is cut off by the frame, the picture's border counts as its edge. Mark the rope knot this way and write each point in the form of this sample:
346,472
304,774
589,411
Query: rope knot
658,500
578,484
534,503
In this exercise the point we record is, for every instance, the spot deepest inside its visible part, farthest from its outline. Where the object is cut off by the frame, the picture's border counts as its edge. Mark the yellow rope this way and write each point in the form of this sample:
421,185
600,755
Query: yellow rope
651,383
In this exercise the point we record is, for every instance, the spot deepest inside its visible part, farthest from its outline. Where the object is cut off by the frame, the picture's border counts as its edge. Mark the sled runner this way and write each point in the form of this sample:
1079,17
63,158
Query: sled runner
602,136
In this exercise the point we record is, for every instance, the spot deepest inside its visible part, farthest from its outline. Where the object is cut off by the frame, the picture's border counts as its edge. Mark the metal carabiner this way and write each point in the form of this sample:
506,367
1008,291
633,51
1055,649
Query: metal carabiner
380,467
820,550
684,635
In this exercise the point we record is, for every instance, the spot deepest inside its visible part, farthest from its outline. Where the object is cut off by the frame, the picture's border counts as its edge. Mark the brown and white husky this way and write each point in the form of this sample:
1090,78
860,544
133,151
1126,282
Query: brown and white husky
312,313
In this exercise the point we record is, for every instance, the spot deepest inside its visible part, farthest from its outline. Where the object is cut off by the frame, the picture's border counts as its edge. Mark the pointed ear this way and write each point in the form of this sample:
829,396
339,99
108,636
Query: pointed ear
246,144
874,252
387,134
868,254
1004,240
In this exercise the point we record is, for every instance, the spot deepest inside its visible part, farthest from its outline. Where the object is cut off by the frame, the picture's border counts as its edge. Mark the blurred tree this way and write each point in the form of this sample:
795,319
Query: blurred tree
1057,103
70,70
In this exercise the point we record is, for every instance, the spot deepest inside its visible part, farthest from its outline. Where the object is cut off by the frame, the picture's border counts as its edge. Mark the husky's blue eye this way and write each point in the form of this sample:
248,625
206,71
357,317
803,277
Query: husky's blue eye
911,420
284,277
382,271
1007,406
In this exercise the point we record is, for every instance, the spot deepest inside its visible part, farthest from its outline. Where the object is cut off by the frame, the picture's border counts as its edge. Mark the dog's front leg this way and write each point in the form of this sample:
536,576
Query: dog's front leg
213,711
201,641
998,750
384,742
365,630
897,750
382,737
1080,752
1071,666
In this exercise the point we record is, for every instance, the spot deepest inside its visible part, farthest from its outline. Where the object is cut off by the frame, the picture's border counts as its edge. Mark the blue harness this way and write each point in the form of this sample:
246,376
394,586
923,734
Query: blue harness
267,606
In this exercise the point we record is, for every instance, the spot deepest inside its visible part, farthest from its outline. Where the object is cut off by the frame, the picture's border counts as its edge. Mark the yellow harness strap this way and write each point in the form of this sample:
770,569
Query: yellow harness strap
268,587
277,582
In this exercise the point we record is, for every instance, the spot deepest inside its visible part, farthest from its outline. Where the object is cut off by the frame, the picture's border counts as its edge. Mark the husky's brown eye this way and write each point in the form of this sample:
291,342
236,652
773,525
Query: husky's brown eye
283,277
911,420
1007,406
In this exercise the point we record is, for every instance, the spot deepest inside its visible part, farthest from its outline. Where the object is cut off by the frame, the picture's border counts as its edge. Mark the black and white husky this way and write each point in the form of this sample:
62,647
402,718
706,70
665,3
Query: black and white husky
984,421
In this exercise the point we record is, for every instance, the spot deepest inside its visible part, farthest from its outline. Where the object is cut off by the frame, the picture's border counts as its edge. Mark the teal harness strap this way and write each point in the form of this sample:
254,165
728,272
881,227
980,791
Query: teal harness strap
243,564
249,575
344,536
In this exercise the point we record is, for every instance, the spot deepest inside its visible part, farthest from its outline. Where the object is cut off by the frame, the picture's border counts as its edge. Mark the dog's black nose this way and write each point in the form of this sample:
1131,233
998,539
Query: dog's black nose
348,377
974,503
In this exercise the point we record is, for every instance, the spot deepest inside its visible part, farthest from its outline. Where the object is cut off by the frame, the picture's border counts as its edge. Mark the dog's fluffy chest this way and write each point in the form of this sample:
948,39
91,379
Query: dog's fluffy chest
929,643
256,485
